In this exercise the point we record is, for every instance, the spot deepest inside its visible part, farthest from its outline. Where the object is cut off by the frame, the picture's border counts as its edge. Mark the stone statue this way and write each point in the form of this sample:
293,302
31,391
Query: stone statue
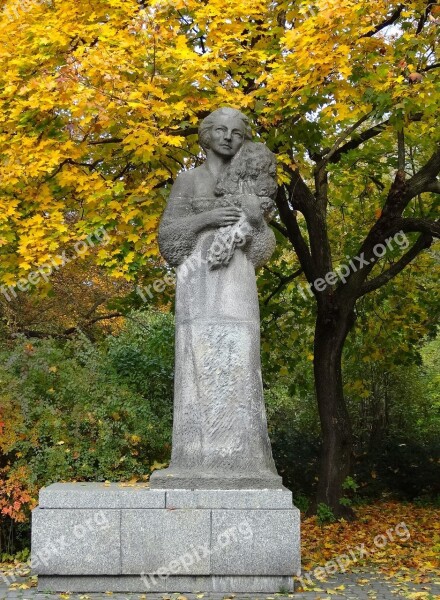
212,496
214,231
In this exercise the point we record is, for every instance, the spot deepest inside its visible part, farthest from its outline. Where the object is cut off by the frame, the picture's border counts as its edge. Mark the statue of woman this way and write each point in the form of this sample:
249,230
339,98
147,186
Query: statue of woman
214,231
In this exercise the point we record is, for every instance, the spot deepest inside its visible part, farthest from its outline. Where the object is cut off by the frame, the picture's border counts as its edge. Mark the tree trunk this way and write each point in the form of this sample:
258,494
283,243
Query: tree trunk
330,334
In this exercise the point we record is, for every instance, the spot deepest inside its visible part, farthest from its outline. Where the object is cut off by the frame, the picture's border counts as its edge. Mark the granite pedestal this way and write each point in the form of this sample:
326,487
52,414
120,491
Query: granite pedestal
97,537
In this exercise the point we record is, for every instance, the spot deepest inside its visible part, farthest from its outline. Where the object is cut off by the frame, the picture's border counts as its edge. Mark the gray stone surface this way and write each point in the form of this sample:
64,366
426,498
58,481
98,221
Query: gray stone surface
213,480
173,584
173,540
261,542
220,211
236,499
72,542
251,584
100,495
169,544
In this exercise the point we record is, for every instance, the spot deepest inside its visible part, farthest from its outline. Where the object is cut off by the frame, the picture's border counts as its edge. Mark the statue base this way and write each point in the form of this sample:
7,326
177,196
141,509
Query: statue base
93,537
229,480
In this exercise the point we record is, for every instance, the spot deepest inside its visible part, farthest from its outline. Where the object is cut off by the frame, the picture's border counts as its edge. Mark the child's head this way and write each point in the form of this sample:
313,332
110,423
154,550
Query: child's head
251,171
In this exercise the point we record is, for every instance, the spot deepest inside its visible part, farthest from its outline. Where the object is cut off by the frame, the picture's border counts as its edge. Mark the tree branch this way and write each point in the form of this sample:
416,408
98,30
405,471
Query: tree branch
430,67
408,224
433,187
424,180
283,282
300,195
392,19
380,186
47,334
424,241
96,319
364,136
401,150
344,135
294,234
70,161
279,228
424,17
391,221
106,141
313,207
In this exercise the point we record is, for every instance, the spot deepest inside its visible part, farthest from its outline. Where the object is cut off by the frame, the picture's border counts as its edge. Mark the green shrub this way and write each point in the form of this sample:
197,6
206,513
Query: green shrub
93,412
78,411
325,514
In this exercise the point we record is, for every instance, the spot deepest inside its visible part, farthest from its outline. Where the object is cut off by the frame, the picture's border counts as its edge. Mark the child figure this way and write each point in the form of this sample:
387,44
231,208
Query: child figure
252,172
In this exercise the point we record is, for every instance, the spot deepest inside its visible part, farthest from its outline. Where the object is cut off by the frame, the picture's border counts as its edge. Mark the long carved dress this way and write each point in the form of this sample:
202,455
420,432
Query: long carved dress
220,434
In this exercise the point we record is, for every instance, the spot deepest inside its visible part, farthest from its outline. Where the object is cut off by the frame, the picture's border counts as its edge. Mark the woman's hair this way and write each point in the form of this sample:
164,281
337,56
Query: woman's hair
208,122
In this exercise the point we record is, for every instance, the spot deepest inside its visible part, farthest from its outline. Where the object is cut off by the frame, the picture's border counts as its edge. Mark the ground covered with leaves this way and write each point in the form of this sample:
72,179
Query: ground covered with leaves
395,541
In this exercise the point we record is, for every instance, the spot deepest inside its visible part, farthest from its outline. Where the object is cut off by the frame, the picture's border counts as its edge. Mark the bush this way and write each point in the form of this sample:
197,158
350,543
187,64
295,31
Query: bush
78,411
405,467
295,436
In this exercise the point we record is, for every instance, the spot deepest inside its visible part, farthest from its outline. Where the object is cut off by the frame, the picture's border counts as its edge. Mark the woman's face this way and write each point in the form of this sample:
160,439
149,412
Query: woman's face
227,136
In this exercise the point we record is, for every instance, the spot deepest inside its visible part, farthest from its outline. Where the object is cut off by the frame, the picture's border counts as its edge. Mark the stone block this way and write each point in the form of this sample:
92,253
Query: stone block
169,540
100,495
180,584
230,499
219,541
255,542
76,542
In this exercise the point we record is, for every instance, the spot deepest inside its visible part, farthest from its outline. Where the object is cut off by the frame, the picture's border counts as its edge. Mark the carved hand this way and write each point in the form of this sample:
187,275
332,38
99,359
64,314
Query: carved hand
221,217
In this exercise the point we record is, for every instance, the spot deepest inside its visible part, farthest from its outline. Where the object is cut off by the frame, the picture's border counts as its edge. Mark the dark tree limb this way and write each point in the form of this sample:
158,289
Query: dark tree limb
358,140
409,224
279,228
424,241
283,282
424,180
344,135
300,197
401,150
313,207
430,68
392,19
69,161
67,332
294,234
433,187
424,16
391,221
123,171
89,322
380,186
114,140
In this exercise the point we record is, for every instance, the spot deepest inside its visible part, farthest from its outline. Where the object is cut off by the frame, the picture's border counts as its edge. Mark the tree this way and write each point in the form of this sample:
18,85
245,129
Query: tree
81,297
100,107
